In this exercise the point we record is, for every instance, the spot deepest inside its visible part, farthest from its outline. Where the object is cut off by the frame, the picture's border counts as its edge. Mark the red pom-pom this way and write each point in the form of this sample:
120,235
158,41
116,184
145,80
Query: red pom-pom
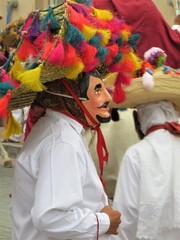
118,93
123,79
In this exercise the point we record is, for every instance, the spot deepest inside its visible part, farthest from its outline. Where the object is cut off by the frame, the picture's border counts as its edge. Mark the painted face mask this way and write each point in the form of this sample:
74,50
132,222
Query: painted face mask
97,101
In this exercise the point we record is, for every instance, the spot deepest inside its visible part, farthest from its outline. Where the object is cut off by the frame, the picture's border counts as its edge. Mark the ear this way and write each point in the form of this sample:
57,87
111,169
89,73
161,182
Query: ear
137,125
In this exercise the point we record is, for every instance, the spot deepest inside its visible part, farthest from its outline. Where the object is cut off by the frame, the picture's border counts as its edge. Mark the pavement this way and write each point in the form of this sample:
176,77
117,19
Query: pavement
6,174
5,199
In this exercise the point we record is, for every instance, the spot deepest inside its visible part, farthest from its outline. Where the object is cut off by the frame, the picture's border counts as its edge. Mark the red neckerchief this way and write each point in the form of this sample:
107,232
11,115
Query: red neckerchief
101,145
172,127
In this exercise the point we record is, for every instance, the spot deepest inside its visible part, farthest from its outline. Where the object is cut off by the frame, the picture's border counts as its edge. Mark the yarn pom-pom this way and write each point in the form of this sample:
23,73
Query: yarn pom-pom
147,81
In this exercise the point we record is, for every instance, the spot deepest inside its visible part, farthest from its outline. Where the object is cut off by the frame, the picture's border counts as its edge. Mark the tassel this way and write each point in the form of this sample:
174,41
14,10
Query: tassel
117,58
50,21
77,19
40,40
4,104
102,53
4,87
27,23
75,70
102,14
106,36
133,39
31,78
57,55
123,79
79,8
26,49
112,52
119,40
85,2
16,69
88,56
70,56
12,127
48,46
118,93
34,30
73,35
7,78
95,41
125,35
88,32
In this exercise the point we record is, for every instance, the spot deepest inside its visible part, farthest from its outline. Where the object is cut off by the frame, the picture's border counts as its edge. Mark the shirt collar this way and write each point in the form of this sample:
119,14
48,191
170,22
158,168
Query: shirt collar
77,126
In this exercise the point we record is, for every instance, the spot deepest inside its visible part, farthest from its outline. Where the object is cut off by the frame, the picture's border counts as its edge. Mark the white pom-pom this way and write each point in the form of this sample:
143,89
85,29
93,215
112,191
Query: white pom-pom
147,81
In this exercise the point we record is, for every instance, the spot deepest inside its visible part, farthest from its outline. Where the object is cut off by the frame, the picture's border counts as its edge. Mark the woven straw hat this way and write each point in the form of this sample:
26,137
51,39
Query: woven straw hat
63,43
165,87
101,42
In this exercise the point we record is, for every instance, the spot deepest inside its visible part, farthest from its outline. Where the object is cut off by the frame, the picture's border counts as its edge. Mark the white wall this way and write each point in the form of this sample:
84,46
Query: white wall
25,6
23,9
167,11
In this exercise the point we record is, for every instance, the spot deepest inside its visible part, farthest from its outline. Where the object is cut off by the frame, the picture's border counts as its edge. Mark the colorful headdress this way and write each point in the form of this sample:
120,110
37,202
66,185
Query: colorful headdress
158,82
63,42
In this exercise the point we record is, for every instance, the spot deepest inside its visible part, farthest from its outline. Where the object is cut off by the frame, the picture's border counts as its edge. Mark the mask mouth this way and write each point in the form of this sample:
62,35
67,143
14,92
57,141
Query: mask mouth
105,105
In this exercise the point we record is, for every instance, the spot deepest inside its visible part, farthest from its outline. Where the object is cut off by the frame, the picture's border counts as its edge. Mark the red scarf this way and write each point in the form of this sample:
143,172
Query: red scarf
172,127
101,145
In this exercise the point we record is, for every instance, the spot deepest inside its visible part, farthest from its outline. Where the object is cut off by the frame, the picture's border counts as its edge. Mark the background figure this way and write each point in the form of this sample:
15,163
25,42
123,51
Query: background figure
148,185
117,140
176,24
21,116
144,18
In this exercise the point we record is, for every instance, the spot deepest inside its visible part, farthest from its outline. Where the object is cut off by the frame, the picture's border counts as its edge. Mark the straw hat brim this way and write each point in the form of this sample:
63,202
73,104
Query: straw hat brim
166,87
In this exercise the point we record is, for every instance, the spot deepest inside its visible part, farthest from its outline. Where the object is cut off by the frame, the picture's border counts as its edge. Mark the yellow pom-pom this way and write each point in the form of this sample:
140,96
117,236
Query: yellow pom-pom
75,70
106,36
125,35
31,78
88,32
102,14
12,127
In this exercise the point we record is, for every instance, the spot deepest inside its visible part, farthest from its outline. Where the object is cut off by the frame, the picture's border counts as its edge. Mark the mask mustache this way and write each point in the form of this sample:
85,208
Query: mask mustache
104,105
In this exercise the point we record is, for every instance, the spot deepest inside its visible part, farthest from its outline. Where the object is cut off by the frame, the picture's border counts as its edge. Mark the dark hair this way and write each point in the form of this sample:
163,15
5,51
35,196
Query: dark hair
84,82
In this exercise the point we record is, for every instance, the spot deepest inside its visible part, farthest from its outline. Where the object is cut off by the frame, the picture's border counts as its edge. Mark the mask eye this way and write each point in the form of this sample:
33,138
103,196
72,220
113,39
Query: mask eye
97,88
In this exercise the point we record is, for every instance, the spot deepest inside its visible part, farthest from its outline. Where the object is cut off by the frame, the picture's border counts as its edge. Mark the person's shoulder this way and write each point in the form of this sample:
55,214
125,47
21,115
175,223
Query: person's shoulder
133,151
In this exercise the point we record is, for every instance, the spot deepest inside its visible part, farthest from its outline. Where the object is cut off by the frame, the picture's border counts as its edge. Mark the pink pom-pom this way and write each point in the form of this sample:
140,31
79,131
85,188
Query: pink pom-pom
57,55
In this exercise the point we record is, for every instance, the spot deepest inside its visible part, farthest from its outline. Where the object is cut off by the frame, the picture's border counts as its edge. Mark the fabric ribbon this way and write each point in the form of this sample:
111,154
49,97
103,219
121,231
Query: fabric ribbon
172,127
101,145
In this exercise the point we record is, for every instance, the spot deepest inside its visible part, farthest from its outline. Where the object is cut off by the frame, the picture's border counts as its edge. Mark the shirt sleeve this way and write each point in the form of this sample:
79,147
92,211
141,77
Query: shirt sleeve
57,209
127,196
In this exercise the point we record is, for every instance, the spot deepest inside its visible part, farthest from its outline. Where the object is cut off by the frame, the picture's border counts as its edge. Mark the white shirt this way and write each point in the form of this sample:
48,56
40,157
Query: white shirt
148,186
56,189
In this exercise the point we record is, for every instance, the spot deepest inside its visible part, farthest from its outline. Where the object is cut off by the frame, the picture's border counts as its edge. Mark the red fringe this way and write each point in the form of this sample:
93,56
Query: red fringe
4,104
26,49
118,94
